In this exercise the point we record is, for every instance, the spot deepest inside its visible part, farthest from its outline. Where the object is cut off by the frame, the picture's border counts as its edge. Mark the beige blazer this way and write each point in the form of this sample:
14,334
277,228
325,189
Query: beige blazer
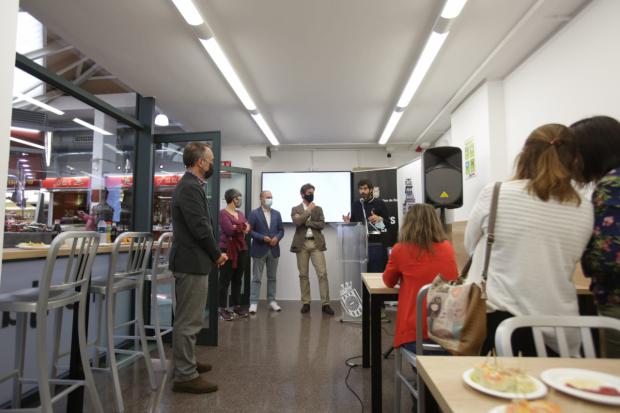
304,219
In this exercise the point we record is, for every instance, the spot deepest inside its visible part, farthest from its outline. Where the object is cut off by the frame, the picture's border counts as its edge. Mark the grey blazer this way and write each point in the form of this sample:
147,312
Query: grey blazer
301,221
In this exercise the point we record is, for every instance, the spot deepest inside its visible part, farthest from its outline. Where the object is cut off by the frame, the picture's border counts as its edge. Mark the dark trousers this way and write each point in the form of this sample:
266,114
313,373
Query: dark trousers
377,257
231,277
522,339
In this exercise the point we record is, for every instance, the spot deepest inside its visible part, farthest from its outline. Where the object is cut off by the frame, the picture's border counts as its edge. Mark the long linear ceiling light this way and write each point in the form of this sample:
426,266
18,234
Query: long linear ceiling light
192,16
441,29
91,126
33,101
23,142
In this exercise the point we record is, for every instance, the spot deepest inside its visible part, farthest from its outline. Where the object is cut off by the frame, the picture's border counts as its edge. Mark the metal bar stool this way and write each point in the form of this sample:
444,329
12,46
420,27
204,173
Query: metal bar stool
53,294
130,278
160,274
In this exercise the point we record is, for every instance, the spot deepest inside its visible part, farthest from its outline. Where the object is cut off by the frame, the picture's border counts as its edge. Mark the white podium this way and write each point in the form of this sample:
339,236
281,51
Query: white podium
352,259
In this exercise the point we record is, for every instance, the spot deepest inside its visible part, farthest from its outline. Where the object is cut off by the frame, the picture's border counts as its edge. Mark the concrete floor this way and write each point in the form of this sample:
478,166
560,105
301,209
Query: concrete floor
270,362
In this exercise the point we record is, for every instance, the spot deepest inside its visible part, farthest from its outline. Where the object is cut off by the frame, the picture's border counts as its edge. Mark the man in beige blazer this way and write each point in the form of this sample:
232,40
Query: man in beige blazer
309,244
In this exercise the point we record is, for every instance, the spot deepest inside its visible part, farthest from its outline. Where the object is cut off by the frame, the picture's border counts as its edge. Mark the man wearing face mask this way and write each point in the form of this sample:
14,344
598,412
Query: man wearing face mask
267,231
309,244
373,212
233,229
193,255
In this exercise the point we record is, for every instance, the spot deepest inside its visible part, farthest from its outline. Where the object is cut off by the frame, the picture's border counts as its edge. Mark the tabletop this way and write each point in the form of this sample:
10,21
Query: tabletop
374,283
443,376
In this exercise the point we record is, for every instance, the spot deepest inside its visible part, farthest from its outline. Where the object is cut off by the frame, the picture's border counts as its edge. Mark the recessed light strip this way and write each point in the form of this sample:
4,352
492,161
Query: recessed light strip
23,142
38,103
189,12
91,126
262,124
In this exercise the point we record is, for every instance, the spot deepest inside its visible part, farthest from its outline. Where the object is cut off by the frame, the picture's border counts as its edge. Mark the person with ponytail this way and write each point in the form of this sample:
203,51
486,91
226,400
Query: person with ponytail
542,226
598,142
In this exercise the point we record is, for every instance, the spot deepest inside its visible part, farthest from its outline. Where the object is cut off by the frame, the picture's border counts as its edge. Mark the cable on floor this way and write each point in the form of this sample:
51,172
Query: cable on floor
349,363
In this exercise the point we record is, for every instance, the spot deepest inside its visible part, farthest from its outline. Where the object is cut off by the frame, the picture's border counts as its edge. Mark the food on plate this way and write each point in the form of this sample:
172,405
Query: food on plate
540,406
502,379
30,244
592,386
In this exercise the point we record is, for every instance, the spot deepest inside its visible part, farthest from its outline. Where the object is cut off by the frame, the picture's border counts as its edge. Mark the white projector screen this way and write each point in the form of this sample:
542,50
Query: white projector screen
332,192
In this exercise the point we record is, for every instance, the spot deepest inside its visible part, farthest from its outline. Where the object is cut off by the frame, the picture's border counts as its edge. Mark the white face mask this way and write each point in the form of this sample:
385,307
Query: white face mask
267,202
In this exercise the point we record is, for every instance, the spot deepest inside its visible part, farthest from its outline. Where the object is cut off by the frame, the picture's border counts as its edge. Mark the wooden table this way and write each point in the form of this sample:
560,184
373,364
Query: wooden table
442,376
375,293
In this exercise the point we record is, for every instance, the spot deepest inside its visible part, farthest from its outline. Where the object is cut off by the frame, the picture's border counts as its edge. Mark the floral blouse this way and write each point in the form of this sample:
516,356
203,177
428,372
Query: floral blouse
601,260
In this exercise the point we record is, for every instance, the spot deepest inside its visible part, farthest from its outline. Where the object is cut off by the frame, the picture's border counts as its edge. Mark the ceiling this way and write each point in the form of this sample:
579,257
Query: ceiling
322,72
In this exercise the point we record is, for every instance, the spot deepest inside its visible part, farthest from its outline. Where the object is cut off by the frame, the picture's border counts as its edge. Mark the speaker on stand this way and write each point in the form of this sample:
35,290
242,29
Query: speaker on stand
443,178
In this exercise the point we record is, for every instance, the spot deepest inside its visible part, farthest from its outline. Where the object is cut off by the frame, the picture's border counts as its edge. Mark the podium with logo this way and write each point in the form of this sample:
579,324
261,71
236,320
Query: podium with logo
352,259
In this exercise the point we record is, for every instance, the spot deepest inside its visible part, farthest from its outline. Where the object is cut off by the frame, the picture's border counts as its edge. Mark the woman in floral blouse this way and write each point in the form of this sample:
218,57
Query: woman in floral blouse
599,144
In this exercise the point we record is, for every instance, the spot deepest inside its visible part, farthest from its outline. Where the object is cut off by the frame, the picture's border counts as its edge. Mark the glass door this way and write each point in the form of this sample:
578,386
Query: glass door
168,168
241,180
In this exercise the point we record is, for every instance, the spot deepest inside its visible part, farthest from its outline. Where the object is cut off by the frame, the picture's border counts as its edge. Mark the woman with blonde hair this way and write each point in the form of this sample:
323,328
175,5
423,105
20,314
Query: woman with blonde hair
542,226
423,252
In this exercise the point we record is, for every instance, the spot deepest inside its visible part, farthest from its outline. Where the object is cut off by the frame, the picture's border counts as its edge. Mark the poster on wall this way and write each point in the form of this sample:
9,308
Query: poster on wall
409,180
470,158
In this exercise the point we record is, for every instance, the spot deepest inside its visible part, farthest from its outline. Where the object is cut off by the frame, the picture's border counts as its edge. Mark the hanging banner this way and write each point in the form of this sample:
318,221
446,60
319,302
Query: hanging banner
72,182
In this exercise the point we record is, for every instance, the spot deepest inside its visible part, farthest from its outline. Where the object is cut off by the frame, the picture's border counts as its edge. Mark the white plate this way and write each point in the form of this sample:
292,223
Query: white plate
499,409
540,391
32,247
557,379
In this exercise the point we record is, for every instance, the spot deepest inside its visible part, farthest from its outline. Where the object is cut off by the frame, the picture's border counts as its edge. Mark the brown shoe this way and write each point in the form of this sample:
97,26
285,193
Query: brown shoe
305,308
195,386
328,310
203,367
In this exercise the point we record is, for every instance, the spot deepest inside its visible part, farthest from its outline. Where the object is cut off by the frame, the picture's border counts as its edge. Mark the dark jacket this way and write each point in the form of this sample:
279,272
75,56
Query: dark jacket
259,230
301,221
376,206
194,249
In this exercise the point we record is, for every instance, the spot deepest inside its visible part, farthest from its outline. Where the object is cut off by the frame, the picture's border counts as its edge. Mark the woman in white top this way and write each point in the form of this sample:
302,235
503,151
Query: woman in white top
542,227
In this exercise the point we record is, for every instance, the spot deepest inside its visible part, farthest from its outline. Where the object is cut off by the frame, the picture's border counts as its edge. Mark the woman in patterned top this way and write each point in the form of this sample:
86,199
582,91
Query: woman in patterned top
598,140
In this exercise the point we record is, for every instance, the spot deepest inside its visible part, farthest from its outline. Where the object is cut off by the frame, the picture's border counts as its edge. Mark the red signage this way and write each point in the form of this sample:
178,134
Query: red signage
167,180
30,183
226,163
119,181
67,182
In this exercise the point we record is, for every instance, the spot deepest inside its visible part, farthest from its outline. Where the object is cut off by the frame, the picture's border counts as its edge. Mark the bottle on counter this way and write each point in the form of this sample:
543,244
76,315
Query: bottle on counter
101,229
57,229
108,232
113,233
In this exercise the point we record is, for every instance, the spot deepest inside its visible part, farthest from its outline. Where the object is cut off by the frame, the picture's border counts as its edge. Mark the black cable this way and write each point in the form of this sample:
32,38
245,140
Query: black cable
351,366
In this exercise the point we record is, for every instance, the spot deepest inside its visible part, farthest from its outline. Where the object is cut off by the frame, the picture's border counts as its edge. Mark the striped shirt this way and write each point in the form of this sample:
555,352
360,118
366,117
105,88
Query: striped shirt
537,246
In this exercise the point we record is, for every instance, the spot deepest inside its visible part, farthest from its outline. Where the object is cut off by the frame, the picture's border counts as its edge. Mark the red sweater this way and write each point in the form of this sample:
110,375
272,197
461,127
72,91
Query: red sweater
413,272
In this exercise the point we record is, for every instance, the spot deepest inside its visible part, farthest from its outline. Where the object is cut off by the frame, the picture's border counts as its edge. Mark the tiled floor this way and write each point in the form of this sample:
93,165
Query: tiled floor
271,362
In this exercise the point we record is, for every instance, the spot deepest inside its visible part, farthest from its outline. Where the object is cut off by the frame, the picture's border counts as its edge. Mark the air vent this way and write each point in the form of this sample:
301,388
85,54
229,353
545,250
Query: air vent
82,139
29,119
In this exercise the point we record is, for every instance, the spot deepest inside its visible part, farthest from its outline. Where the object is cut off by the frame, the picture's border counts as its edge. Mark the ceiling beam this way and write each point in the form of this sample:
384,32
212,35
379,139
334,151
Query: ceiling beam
49,50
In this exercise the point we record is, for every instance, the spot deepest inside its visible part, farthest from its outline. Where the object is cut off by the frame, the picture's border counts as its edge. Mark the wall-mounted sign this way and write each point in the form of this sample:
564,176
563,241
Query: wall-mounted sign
470,158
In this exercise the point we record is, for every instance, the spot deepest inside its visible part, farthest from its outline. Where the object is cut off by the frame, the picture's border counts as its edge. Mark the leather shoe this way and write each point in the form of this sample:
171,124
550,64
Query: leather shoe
305,308
203,367
328,310
195,386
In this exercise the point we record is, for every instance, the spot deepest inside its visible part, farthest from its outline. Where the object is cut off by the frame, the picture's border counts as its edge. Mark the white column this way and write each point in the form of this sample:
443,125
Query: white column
8,33
103,155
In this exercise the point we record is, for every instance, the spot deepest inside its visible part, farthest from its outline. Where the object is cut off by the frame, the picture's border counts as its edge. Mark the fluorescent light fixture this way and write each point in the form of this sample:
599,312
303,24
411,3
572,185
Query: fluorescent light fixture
91,126
389,127
26,130
118,151
189,12
162,120
452,8
28,170
432,47
48,148
40,104
23,142
21,160
260,121
222,63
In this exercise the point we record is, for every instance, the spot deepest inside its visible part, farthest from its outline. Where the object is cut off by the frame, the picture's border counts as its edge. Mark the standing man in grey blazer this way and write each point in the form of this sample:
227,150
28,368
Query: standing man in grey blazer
193,254
309,244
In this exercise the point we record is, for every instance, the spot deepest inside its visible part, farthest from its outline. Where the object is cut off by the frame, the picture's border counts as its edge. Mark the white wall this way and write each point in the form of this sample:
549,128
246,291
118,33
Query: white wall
480,118
308,160
8,31
576,74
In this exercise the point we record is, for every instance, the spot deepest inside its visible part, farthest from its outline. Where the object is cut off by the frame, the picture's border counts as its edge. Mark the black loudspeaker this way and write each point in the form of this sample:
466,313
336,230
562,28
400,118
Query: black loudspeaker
443,177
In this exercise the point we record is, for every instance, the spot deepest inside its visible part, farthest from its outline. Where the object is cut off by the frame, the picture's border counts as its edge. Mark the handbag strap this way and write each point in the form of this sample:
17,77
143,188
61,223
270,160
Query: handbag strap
491,230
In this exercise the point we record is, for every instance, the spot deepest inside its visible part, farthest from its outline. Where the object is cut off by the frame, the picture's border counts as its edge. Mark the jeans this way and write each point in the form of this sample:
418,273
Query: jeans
258,265
191,296
377,258
232,277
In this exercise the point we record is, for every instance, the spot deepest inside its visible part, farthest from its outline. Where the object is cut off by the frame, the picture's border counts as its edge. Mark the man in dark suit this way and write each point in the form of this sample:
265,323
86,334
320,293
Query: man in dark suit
309,244
193,254
267,231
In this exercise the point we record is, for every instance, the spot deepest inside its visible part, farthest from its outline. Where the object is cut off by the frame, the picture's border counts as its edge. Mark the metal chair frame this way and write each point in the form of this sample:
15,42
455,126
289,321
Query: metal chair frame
51,295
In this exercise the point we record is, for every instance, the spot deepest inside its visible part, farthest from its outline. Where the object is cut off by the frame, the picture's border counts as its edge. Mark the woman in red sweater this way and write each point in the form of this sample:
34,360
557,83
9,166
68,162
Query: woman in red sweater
423,251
